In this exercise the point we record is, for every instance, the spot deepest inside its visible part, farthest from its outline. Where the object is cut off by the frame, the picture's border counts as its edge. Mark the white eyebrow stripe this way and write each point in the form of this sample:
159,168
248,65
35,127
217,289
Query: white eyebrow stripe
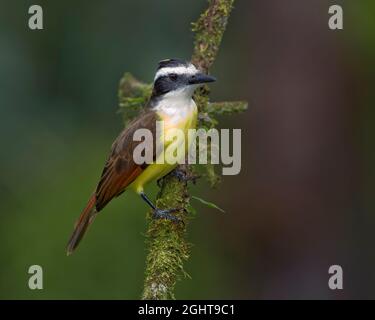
177,70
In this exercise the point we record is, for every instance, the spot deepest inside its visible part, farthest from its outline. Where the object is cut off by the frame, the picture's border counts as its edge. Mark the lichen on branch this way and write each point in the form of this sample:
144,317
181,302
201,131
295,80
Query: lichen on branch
133,96
209,30
168,248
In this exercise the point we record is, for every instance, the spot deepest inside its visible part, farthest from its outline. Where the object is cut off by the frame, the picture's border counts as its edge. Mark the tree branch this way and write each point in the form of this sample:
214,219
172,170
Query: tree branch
226,108
168,249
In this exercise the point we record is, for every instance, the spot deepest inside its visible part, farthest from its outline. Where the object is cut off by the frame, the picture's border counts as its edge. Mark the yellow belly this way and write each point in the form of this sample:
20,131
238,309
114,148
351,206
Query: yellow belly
158,170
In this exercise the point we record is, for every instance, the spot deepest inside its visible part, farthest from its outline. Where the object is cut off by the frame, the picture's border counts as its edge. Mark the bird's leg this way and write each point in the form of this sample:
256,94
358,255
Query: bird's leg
161,213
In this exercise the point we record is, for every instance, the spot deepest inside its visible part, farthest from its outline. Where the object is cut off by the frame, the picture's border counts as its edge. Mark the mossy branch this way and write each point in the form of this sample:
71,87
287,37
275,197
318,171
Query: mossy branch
133,96
168,249
226,108
209,30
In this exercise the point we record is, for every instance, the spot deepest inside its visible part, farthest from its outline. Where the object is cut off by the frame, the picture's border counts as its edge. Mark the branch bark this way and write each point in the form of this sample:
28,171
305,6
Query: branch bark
168,248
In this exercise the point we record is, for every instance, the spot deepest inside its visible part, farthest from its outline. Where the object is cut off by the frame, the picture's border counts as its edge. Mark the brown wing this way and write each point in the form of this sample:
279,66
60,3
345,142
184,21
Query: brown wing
120,169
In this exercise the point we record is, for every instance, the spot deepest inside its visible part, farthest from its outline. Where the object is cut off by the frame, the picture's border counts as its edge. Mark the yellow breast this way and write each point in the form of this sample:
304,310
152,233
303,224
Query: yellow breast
181,120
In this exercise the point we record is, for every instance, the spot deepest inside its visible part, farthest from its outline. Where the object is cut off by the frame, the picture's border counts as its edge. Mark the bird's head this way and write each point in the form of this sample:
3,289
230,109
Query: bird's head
178,78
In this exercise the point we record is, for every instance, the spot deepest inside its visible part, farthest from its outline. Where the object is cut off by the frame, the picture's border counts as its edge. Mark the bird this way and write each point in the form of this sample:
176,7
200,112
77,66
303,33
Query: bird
172,102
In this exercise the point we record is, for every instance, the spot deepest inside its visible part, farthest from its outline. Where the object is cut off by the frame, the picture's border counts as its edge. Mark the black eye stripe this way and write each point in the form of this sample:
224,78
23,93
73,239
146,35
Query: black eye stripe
173,76
164,83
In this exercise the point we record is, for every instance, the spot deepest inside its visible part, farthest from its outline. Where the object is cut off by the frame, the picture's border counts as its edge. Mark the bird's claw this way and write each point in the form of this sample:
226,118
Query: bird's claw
167,214
184,176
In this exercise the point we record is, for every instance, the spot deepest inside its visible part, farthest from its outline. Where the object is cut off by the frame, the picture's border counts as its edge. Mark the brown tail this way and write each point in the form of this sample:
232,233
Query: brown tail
87,216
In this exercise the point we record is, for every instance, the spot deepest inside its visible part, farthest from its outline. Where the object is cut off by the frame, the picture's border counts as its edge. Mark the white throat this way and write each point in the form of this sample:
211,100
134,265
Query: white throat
177,103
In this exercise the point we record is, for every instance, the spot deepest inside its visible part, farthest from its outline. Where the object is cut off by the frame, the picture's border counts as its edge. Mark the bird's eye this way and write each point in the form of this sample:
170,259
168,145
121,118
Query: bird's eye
173,76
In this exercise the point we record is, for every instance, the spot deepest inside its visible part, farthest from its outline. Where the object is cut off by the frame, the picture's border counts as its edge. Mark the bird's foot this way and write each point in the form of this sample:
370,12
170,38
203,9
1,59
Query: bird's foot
183,174
167,214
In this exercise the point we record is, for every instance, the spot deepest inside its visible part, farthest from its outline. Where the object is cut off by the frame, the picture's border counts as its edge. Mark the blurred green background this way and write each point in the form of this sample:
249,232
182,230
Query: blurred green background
304,198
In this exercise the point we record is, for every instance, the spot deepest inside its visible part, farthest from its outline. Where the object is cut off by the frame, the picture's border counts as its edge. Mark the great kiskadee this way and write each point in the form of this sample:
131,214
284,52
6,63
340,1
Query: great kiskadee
171,102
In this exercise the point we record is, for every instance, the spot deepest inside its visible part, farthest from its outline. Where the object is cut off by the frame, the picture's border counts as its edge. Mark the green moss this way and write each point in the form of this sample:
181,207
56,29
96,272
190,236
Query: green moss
209,30
133,96
226,108
167,246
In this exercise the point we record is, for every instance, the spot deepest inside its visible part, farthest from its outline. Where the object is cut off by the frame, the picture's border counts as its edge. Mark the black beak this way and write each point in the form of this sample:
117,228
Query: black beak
201,78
